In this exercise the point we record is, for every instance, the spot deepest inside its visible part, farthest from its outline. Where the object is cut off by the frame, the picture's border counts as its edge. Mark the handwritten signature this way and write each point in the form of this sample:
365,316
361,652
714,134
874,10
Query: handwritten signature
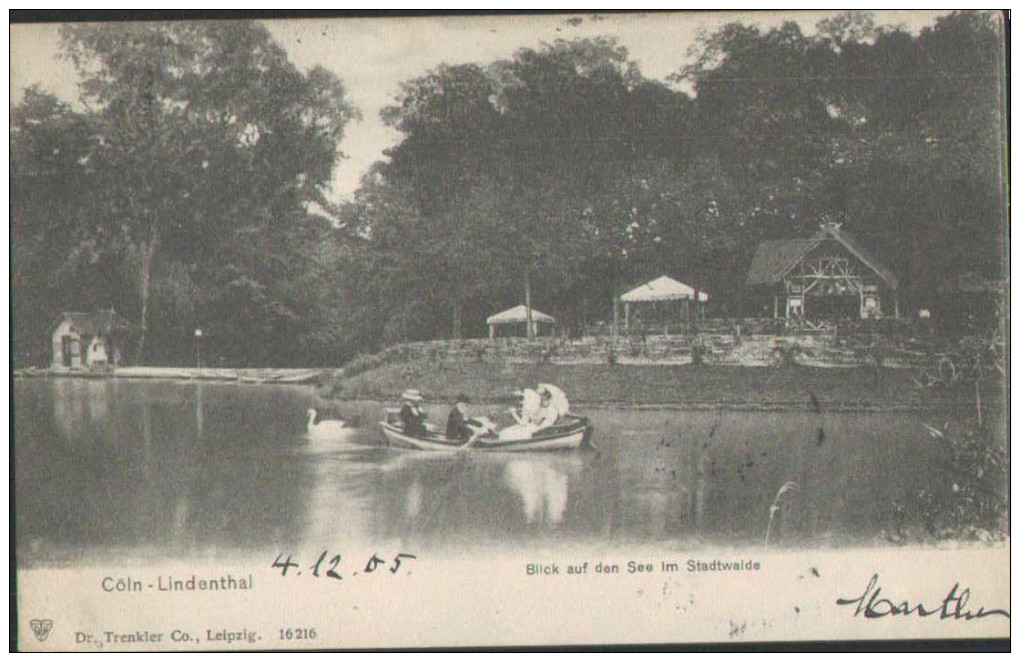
872,605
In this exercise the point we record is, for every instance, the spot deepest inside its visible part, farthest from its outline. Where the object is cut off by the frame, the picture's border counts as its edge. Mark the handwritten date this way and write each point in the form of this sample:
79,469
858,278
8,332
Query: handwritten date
328,566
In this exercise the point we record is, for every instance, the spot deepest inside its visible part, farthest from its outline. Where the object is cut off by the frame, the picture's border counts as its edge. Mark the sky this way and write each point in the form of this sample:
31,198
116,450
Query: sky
373,55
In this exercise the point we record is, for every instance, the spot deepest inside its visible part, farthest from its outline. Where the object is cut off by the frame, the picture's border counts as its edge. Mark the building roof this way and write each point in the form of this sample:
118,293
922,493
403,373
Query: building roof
97,323
775,258
518,314
660,290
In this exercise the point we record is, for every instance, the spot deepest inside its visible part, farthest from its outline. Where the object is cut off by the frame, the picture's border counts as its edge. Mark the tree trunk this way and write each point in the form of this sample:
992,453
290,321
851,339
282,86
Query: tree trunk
144,288
527,302
456,320
615,327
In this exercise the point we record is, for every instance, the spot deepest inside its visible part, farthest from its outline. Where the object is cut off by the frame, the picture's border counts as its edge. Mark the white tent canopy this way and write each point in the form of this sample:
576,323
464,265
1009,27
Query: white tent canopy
660,290
517,315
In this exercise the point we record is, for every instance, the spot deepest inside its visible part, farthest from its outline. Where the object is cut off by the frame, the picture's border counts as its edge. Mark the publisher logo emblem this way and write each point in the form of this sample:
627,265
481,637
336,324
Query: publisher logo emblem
41,628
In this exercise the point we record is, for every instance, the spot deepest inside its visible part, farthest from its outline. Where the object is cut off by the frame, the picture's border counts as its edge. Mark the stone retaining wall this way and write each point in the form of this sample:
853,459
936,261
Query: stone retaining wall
707,348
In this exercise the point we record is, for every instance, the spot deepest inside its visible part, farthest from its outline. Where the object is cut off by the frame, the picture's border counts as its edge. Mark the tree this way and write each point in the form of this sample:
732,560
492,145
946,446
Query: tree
503,166
205,131
893,134
55,261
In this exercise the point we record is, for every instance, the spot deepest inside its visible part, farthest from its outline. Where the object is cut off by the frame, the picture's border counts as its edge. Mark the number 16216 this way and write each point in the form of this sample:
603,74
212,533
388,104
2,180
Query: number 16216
297,633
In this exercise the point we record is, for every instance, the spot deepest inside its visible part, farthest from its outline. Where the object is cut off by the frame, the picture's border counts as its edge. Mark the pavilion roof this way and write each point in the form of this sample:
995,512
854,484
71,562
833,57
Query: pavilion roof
519,314
662,289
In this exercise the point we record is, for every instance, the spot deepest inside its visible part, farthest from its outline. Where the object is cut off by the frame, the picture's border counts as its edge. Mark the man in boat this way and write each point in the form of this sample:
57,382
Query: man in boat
458,424
411,414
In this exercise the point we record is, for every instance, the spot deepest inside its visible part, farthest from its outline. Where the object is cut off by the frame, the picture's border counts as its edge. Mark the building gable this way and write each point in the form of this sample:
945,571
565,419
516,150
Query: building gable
774,259
99,323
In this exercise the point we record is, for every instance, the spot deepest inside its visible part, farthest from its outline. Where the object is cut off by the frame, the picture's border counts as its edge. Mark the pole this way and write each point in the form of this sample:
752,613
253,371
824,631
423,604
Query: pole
527,302
198,350
616,317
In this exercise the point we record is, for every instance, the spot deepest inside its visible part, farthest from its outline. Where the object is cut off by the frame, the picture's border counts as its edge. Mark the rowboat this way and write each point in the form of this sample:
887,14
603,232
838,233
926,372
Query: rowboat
570,432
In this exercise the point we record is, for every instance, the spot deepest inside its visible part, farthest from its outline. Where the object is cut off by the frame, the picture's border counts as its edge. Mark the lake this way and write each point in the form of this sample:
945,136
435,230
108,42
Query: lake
153,469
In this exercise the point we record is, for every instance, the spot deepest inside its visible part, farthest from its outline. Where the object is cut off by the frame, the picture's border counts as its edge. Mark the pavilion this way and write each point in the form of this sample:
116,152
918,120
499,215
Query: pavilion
516,316
663,289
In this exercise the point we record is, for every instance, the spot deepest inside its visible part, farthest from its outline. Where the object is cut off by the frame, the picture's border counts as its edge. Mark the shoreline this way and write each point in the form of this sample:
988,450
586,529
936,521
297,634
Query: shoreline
687,387
788,407
602,387
255,375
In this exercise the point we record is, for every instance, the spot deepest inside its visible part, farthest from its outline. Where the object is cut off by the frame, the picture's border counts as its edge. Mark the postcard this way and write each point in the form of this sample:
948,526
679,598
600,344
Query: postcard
509,330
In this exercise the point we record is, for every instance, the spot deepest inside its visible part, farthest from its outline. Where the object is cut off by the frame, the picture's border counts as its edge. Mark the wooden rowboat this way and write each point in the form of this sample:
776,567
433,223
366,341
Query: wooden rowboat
570,432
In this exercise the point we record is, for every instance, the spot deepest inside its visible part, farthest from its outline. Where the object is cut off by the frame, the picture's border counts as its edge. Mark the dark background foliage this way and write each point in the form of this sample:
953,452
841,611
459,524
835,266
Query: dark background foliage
181,197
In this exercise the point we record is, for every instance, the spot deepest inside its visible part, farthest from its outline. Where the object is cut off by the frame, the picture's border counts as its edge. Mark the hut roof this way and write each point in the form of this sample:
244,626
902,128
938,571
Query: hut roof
518,314
662,289
775,258
97,323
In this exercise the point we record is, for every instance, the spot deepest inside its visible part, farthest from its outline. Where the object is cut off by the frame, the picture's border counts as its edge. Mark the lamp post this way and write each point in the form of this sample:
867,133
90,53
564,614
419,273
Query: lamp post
199,406
198,349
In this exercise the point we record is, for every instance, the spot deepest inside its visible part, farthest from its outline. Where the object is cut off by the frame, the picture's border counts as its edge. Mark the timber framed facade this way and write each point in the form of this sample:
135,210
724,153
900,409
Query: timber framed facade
827,276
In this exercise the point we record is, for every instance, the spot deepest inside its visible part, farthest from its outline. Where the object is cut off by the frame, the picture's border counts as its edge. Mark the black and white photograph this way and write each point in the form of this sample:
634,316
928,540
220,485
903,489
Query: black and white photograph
509,329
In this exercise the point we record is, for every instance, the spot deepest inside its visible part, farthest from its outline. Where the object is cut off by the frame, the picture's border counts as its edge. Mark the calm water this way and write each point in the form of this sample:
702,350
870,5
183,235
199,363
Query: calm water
179,468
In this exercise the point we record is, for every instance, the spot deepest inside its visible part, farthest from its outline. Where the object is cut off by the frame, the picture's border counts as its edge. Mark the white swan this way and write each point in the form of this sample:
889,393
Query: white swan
326,426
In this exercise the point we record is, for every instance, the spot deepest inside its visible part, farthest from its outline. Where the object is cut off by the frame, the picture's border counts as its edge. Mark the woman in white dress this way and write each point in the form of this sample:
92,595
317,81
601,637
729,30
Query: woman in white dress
538,411
549,411
527,407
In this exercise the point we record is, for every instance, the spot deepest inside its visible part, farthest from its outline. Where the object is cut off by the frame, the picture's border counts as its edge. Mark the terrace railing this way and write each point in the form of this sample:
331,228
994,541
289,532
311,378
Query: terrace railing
767,326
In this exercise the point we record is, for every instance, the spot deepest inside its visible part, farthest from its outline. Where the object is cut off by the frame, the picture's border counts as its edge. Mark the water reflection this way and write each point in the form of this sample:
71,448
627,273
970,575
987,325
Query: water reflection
68,407
149,466
337,502
199,411
179,468
542,487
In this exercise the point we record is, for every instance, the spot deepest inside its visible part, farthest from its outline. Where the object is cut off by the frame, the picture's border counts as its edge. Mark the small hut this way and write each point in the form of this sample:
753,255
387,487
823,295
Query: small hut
661,290
516,317
88,340
828,275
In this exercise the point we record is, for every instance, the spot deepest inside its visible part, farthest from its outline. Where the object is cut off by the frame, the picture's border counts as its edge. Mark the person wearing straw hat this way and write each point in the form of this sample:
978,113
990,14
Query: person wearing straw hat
411,414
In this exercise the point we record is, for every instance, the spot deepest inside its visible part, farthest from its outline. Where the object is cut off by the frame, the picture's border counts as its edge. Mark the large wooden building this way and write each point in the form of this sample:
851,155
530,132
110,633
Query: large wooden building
826,276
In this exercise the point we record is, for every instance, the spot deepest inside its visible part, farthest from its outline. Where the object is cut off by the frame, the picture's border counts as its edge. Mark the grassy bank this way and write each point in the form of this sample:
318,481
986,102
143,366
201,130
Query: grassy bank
681,386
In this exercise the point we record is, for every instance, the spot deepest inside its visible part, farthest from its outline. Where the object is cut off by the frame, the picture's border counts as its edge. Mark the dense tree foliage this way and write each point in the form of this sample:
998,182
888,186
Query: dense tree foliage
562,168
897,136
519,178
181,196
185,186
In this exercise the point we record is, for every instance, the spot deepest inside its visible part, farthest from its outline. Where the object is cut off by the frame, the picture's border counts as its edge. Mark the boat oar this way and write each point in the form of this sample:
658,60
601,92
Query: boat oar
477,434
